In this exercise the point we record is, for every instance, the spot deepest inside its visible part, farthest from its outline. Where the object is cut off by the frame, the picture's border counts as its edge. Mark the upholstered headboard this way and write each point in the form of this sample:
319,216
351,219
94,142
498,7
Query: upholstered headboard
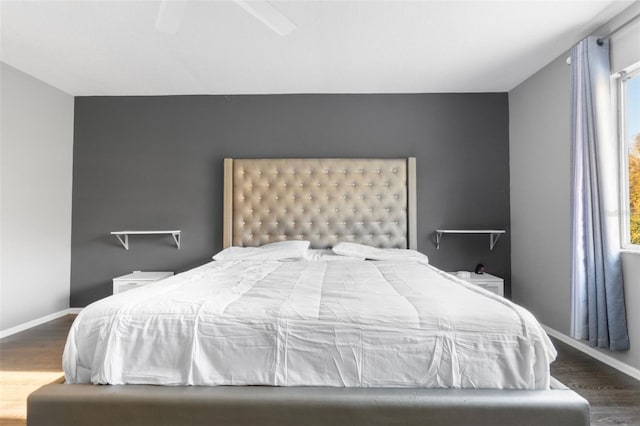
324,200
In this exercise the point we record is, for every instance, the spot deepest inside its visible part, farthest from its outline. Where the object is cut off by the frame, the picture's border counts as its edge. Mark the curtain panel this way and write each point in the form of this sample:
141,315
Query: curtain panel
598,307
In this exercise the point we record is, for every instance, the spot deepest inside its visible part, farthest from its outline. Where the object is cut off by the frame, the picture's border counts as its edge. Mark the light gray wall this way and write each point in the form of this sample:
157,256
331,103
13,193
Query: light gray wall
625,43
539,144
156,163
539,157
631,272
36,159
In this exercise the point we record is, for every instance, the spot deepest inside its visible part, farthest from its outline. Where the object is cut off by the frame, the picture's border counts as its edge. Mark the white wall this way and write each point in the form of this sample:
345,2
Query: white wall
539,143
36,156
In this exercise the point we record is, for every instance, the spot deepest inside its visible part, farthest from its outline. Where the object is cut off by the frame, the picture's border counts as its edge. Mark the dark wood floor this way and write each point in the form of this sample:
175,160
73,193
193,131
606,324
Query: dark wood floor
614,397
32,358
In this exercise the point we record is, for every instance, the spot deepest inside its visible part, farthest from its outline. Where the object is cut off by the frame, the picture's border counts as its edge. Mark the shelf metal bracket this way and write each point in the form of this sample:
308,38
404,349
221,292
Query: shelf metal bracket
176,238
124,241
493,239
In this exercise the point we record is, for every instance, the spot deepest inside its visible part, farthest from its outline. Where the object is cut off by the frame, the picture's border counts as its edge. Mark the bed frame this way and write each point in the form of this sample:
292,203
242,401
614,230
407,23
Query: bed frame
371,201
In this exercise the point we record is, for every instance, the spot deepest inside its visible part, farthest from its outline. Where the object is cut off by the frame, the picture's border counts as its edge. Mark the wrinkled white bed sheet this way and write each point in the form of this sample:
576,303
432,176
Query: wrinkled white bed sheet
305,323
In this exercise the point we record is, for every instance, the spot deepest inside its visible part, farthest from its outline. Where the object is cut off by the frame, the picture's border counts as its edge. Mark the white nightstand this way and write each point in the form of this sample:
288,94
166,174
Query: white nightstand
487,281
137,279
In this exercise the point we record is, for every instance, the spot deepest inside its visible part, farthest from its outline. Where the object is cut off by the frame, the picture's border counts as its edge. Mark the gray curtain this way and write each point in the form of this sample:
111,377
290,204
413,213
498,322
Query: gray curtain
599,314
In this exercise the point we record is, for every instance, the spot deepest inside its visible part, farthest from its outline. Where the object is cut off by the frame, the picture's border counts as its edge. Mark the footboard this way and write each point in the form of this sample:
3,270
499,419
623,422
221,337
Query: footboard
60,404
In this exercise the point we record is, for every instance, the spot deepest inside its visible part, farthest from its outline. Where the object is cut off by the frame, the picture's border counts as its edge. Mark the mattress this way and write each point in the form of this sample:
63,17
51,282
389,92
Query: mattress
353,323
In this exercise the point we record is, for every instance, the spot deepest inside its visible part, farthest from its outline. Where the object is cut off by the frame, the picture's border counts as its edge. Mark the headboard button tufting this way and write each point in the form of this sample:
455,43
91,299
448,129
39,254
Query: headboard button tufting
323,200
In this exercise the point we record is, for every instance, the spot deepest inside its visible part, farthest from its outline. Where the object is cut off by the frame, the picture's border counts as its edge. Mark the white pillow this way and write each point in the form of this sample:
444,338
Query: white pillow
283,250
374,253
327,255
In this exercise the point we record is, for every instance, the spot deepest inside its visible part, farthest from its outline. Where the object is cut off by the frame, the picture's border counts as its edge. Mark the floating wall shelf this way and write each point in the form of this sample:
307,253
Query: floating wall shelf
123,236
494,234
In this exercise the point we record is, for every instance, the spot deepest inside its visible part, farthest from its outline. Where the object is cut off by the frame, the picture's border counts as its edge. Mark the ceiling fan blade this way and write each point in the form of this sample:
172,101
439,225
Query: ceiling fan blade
170,15
267,13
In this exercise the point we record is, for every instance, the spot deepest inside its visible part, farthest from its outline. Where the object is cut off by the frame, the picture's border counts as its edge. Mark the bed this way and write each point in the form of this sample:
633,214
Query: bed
320,341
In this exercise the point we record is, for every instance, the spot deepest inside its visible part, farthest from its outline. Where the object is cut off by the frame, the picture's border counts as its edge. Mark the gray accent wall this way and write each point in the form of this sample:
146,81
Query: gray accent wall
156,163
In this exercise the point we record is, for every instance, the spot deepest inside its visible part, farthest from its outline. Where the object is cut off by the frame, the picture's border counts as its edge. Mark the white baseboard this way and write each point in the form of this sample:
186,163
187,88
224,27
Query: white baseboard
38,321
592,352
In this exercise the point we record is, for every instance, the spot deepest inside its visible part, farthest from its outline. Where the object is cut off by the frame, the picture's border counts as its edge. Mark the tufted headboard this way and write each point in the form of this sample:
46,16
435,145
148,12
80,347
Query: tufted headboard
324,200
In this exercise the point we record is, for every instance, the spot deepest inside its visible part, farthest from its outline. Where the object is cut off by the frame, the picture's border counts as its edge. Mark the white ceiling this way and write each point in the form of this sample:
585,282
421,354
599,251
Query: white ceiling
113,48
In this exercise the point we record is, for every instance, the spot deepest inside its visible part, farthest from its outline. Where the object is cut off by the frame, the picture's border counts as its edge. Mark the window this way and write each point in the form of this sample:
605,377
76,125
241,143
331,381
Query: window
629,131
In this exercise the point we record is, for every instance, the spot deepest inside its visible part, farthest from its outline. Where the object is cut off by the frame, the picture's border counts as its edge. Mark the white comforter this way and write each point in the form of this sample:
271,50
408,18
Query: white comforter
305,323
